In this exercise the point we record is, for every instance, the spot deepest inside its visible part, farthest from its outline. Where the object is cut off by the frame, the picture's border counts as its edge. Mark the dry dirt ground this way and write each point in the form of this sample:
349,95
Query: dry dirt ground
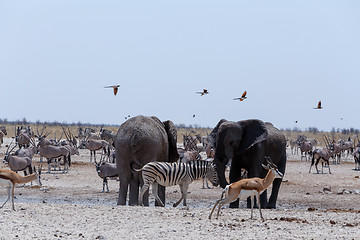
72,206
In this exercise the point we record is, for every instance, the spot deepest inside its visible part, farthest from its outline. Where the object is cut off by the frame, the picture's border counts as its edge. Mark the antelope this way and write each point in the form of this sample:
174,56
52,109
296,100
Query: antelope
70,139
305,147
347,146
294,146
89,133
94,145
28,152
321,154
70,143
51,152
3,133
17,163
23,140
108,136
10,178
106,170
92,134
357,158
190,142
23,135
336,150
249,187
188,156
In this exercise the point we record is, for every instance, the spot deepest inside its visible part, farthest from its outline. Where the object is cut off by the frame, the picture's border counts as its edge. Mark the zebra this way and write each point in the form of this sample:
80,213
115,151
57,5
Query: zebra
170,174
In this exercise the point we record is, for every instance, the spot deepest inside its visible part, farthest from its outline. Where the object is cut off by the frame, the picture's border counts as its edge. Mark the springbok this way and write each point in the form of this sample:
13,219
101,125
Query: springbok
248,187
106,170
10,178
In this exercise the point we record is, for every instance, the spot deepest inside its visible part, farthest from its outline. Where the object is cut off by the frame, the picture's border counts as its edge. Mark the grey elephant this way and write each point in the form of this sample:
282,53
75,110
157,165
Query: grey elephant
245,144
142,139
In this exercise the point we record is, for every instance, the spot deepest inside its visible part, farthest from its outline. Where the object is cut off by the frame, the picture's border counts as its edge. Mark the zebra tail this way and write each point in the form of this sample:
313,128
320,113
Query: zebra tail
136,162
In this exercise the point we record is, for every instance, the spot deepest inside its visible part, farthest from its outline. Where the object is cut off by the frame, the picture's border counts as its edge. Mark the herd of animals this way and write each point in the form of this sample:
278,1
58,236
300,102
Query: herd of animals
333,149
144,153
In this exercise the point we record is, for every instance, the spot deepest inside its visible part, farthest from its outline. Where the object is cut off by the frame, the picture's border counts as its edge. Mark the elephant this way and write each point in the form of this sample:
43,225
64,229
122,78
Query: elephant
142,139
246,144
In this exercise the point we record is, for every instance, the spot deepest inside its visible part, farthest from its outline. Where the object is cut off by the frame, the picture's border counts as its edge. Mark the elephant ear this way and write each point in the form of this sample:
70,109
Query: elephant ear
172,139
254,131
212,136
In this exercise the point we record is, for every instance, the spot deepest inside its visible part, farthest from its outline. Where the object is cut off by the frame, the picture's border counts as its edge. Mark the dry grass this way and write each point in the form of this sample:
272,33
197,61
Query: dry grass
181,131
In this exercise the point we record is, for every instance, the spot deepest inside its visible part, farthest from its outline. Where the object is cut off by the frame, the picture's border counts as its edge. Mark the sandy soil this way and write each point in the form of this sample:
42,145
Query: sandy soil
72,206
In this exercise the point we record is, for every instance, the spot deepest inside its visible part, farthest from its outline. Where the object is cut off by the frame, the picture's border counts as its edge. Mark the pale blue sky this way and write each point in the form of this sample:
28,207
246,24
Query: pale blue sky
56,57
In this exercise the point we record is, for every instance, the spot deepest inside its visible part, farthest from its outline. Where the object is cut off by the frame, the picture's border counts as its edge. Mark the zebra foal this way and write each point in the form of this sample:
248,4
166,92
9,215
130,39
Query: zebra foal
170,174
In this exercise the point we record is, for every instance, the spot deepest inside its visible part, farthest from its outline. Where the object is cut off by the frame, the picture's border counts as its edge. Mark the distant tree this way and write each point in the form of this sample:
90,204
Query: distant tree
345,131
313,130
296,129
333,131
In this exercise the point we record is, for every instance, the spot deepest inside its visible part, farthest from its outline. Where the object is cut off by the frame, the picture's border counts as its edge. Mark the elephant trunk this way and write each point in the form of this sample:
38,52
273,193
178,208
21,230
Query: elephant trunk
220,167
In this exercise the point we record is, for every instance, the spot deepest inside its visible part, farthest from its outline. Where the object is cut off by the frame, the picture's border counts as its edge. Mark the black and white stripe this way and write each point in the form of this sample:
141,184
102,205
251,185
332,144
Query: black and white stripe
170,174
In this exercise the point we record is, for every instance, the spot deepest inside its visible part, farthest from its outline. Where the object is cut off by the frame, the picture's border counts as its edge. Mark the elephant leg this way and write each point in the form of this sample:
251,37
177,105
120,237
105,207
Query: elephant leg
123,190
134,192
146,198
263,200
161,194
235,175
274,194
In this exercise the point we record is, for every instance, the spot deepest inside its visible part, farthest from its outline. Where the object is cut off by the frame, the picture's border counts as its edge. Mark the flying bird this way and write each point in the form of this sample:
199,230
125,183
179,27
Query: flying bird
203,92
319,106
242,98
115,87
296,121
193,115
